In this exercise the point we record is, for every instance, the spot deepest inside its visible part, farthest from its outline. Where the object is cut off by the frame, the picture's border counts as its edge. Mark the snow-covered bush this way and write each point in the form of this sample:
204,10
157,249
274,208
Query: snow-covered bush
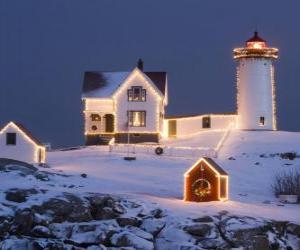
287,182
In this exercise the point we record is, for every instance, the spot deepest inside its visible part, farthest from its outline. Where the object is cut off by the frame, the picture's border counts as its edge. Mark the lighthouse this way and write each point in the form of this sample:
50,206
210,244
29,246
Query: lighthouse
256,104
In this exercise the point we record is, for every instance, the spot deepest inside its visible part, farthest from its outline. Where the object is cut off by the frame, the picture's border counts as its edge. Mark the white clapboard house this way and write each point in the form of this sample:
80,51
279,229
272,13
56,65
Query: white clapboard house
17,143
129,106
120,103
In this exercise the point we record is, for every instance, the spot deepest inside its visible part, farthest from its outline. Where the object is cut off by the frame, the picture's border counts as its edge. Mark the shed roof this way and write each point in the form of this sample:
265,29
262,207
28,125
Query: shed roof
211,163
25,131
99,84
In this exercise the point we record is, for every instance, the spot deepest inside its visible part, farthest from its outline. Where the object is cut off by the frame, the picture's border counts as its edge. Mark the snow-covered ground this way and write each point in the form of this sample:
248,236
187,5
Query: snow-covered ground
159,179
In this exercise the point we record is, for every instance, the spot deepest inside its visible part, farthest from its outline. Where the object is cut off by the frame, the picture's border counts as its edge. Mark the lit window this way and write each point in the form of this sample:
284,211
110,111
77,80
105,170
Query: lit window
11,138
136,118
95,117
206,122
261,121
137,94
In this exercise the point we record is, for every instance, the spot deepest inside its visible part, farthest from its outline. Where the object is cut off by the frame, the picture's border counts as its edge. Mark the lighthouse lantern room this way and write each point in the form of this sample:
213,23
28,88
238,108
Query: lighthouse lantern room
255,85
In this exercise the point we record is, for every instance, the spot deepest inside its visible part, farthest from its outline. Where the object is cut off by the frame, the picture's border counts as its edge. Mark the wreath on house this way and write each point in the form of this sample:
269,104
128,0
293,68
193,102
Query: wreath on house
201,188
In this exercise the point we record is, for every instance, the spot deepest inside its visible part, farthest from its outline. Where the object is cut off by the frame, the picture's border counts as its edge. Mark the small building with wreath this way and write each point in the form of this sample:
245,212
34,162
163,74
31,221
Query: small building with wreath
205,181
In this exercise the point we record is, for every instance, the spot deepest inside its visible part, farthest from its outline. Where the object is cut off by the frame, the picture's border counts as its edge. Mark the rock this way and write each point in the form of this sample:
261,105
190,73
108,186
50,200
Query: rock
67,208
140,233
88,233
83,175
100,247
293,229
105,207
4,226
10,165
41,231
129,221
260,242
231,158
14,244
40,220
153,226
157,213
280,227
173,237
241,231
105,213
204,219
126,239
23,221
217,243
19,195
42,176
169,245
201,230
61,231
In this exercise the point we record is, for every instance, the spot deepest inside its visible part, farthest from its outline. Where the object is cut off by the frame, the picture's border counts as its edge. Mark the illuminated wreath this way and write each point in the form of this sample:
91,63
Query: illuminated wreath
159,151
201,188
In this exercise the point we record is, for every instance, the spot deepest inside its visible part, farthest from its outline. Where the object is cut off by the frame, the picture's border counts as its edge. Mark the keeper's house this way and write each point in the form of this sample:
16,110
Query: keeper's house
129,106
17,143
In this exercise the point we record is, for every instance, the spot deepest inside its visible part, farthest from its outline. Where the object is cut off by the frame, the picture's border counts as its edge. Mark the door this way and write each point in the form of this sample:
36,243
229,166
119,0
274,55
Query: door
109,123
172,128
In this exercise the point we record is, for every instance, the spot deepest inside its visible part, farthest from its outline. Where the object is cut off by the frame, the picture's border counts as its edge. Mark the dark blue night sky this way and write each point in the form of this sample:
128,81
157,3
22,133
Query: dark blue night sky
45,46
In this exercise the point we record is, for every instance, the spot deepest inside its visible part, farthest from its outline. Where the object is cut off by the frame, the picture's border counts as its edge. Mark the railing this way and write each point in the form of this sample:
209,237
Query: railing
171,151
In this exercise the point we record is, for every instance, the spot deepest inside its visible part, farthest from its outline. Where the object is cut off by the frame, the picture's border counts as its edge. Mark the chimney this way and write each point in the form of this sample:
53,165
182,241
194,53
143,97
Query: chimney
140,64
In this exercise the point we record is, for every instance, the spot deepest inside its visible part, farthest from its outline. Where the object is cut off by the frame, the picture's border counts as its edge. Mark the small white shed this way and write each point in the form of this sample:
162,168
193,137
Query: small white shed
17,143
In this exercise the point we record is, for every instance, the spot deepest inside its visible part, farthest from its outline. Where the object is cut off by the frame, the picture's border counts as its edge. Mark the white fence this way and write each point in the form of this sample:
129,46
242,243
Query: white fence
189,152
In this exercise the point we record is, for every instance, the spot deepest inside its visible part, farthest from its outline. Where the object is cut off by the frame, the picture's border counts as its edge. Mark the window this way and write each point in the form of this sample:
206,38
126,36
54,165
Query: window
11,139
137,118
261,121
95,117
206,122
136,94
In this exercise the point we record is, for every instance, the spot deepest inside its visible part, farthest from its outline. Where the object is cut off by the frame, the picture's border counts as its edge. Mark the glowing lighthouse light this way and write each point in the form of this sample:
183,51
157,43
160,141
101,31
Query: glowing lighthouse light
256,42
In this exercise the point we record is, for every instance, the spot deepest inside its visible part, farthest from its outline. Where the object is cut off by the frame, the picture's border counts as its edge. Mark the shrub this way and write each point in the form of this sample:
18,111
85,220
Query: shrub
287,182
288,155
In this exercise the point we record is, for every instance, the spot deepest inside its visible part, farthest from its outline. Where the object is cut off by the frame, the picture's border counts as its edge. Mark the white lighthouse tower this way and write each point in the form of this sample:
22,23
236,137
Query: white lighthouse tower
256,105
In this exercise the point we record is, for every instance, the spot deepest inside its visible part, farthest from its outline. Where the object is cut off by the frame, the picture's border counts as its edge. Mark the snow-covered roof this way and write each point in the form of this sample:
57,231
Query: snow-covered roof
99,84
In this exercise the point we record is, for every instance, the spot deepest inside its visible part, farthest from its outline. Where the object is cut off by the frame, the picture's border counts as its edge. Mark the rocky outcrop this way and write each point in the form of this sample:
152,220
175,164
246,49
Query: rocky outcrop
98,221
68,207
19,195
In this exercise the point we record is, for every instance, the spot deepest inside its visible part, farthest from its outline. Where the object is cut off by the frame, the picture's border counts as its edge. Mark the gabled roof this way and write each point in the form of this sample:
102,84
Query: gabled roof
101,84
211,163
23,129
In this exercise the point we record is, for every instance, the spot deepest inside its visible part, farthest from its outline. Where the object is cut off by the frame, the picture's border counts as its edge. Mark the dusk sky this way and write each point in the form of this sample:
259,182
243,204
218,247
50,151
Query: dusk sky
45,47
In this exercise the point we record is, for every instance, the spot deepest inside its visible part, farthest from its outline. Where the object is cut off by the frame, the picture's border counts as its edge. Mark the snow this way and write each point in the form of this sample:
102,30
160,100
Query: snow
159,179
113,81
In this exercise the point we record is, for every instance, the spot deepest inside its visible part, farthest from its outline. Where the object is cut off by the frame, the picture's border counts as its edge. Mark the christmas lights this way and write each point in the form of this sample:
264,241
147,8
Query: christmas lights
39,152
221,178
